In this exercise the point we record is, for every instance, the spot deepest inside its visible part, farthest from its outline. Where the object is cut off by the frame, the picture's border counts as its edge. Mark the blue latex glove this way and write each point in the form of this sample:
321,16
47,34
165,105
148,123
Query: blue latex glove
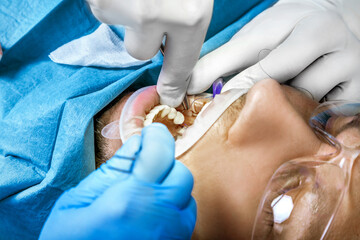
149,198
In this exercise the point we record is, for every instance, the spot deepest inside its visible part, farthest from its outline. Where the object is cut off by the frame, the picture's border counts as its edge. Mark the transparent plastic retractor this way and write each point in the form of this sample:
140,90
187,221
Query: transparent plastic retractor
132,118
210,113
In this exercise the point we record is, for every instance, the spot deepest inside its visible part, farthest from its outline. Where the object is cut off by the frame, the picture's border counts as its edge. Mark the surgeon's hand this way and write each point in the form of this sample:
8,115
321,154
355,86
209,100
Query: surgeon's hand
184,22
313,43
148,198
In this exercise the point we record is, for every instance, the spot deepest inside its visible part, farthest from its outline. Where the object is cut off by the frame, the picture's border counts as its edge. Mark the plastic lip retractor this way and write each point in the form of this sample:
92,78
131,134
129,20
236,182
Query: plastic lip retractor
210,113
206,118
139,105
131,122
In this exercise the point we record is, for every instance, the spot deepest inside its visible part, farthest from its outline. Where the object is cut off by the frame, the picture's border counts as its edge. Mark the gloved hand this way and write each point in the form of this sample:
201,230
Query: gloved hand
148,198
184,22
313,43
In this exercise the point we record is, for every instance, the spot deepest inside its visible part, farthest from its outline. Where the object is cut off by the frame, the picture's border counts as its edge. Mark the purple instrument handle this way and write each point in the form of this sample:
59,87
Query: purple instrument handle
217,86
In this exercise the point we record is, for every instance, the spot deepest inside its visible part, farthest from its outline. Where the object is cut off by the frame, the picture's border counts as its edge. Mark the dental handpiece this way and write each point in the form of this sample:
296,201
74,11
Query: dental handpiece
185,102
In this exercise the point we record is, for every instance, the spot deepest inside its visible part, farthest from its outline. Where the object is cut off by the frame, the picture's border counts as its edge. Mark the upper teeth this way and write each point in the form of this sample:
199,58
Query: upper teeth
171,113
165,111
179,118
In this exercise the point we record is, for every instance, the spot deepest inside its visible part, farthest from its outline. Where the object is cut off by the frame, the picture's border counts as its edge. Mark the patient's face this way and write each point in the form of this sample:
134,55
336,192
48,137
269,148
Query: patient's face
235,159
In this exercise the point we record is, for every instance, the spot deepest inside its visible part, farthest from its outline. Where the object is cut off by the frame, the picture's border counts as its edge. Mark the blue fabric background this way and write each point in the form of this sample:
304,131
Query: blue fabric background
46,109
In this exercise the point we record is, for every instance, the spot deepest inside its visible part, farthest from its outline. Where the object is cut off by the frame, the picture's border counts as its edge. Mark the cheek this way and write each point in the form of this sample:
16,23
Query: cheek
354,189
347,220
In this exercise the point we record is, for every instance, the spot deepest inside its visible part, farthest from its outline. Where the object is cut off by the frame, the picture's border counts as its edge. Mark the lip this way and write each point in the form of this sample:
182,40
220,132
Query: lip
133,114
143,100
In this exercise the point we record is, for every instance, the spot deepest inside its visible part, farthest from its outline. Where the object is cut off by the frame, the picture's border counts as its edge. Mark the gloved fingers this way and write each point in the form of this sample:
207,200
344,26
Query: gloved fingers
304,45
182,47
270,26
104,11
143,44
113,171
229,58
126,13
191,207
157,154
246,79
345,91
324,74
250,45
239,82
179,184
191,213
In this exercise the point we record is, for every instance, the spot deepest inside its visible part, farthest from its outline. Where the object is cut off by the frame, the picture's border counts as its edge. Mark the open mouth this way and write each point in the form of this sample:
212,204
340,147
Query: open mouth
143,108
187,126
178,119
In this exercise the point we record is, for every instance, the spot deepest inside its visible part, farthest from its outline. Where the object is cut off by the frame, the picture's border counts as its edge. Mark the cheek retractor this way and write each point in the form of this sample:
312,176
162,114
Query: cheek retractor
142,109
132,115
187,126
209,114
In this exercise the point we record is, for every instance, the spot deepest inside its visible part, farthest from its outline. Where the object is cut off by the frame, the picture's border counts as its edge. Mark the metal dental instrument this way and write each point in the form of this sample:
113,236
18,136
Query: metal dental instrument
162,49
185,102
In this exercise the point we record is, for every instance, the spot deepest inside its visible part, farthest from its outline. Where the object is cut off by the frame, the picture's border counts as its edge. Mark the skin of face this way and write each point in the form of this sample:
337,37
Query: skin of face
347,219
234,160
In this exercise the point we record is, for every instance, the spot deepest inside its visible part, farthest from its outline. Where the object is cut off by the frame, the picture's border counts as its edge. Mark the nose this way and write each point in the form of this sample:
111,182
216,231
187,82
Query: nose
270,93
276,117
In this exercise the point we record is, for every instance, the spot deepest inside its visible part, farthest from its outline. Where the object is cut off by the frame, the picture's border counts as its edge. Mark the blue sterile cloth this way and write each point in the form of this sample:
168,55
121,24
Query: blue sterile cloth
47,109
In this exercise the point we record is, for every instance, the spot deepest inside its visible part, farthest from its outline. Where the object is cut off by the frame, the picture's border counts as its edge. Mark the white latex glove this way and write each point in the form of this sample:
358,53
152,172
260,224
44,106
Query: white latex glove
313,43
184,22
